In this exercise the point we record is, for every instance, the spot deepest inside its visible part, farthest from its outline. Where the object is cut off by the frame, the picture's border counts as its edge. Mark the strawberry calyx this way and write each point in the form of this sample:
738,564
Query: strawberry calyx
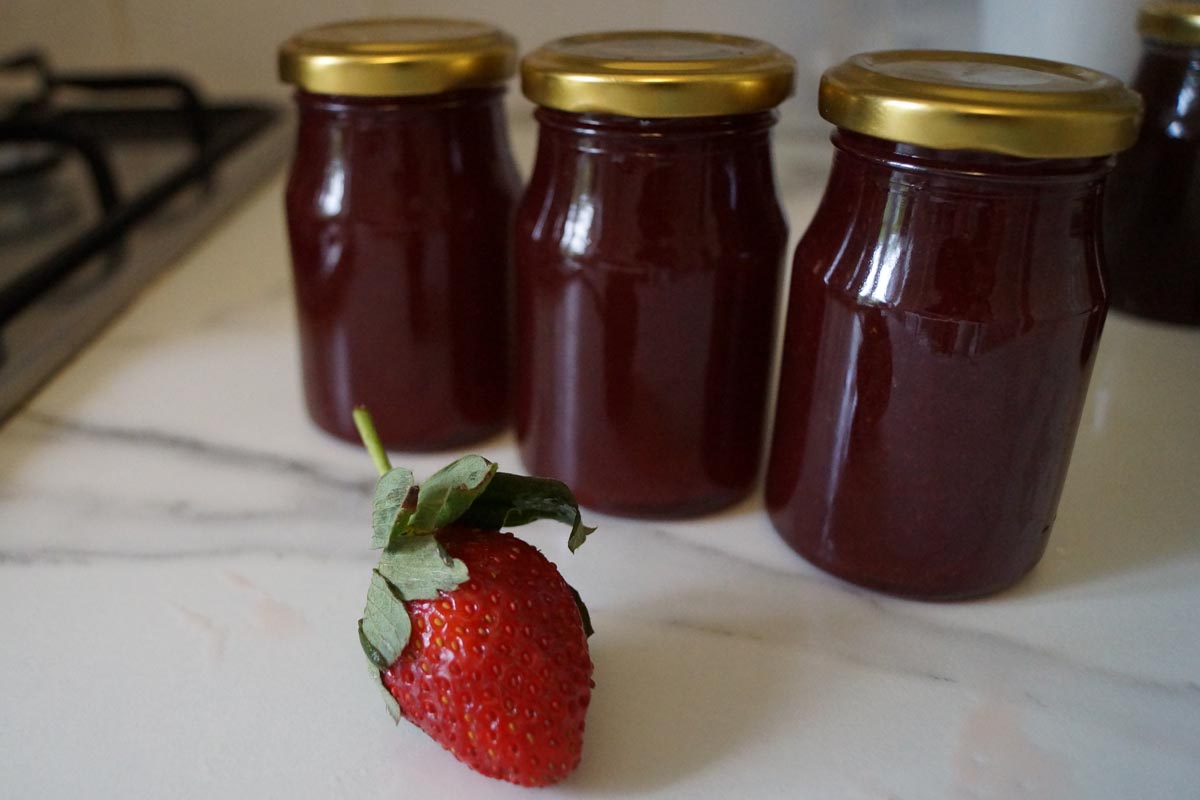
469,492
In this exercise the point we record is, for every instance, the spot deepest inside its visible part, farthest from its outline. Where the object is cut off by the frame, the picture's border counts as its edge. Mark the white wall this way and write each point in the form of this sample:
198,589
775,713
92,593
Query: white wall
230,44
1095,33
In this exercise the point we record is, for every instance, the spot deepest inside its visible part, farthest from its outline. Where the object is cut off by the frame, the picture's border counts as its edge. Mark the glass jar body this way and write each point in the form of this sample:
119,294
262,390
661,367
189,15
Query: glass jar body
649,254
945,310
399,217
1152,206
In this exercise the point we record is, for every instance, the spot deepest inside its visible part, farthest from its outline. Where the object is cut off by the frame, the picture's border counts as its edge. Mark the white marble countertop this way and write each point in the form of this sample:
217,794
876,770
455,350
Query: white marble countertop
183,559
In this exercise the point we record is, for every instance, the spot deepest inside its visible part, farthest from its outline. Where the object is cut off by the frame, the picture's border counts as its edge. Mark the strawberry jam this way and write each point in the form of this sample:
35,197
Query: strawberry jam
944,314
1152,221
649,253
400,206
648,268
399,215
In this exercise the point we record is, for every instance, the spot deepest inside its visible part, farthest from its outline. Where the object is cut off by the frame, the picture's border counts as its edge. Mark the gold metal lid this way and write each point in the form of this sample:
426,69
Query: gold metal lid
658,74
392,57
1167,21
978,101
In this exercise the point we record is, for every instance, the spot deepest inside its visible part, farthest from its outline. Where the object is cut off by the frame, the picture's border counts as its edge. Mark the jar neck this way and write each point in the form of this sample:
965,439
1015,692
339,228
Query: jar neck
407,104
649,133
1015,238
1171,51
971,167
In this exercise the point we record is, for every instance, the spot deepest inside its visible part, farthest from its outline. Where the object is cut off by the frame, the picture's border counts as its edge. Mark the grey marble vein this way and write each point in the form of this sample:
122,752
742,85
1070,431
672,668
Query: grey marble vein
75,556
877,633
225,454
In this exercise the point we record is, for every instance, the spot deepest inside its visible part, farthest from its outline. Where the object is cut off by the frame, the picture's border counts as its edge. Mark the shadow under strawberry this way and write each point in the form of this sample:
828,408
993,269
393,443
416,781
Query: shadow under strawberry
674,703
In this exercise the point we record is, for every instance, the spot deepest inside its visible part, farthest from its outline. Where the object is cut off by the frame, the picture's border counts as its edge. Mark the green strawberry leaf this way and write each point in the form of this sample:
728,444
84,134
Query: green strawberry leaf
385,627
388,700
415,569
373,654
584,616
511,500
403,509
467,491
449,492
395,502
418,567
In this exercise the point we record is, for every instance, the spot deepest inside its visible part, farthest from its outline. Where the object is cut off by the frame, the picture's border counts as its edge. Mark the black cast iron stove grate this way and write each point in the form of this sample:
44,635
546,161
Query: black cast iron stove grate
104,180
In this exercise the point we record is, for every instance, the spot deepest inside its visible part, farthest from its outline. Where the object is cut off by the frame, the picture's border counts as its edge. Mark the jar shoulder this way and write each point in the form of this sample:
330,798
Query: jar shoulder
598,203
954,251
418,172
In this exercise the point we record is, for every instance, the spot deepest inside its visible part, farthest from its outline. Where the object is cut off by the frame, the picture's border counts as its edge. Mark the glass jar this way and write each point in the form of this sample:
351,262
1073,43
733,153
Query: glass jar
399,206
649,250
1152,214
945,307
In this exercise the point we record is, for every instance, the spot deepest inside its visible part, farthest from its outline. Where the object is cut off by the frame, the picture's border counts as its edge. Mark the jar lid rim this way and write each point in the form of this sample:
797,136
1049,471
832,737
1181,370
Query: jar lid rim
658,74
953,100
397,56
1171,21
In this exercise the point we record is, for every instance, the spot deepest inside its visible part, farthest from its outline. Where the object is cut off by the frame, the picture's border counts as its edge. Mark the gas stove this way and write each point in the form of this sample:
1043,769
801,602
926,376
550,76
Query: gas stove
105,179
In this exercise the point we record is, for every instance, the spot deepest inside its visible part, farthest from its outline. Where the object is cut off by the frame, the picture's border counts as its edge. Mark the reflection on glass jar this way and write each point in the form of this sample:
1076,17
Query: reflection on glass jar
400,204
945,308
1152,214
649,250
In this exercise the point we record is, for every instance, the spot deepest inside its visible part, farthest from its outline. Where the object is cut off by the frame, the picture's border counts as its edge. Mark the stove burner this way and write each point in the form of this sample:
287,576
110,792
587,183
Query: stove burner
36,136
54,140
92,169
35,205
22,159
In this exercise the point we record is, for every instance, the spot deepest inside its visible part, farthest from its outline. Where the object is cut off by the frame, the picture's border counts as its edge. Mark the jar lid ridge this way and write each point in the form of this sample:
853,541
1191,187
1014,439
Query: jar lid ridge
952,100
658,74
1170,21
398,57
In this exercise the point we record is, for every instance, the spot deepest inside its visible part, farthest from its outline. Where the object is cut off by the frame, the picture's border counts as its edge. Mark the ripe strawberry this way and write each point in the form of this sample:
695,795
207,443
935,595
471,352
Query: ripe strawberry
472,634
498,670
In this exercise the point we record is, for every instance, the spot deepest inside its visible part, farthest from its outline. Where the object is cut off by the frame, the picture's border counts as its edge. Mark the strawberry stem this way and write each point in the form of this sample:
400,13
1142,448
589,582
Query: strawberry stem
370,438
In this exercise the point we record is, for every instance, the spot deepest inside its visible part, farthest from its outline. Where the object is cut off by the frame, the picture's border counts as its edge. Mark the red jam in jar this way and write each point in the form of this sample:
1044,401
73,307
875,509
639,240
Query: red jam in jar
400,205
1152,214
946,303
649,251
